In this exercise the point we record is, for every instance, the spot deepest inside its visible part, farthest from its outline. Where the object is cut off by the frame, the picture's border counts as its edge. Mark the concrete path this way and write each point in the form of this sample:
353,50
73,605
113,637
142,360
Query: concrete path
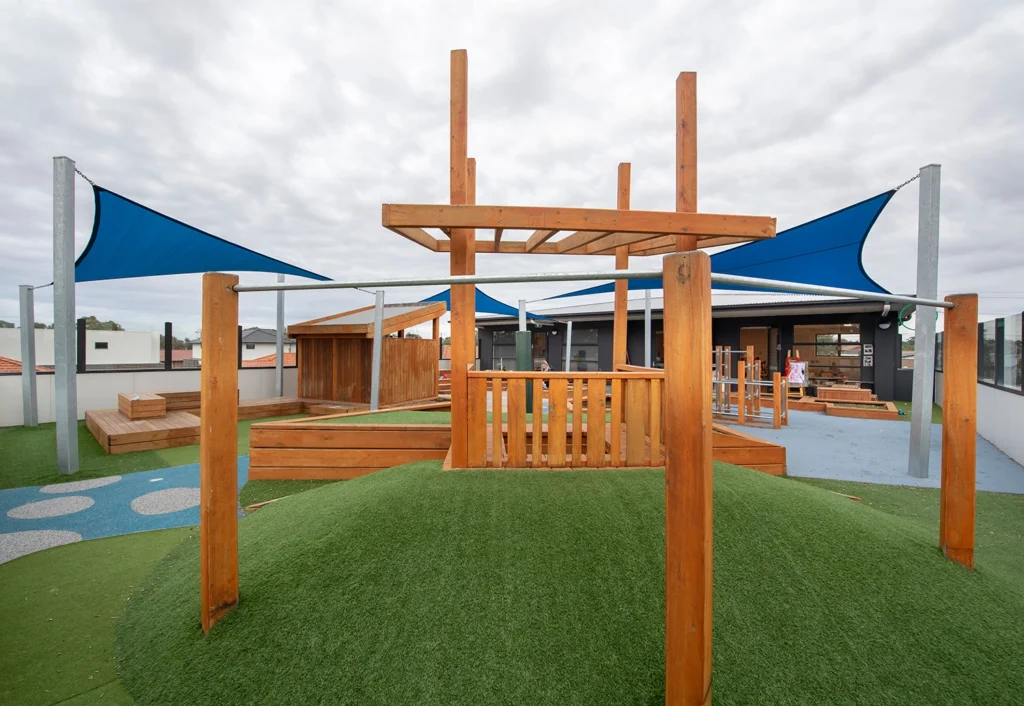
869,451
46,516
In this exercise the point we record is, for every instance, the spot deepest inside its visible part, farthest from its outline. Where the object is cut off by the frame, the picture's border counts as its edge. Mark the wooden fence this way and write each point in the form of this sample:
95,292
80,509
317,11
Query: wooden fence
583,409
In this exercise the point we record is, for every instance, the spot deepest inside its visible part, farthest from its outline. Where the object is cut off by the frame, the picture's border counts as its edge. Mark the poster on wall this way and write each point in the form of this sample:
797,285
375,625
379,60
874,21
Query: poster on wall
797,373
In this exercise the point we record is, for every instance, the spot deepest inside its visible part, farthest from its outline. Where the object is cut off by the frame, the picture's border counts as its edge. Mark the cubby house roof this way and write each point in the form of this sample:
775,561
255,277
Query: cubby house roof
358,323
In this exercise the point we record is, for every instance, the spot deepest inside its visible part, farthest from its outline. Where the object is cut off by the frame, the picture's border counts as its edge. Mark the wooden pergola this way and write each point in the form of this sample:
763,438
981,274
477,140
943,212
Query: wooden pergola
539,230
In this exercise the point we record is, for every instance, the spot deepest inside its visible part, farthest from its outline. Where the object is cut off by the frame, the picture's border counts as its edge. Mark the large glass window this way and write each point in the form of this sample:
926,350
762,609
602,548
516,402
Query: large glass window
583,356
832,352
987,355
1012,357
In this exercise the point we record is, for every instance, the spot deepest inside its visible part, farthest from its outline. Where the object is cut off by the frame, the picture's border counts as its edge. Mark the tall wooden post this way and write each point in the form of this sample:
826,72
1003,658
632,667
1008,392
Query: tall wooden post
686,152
463,262
218,450
621,315
688,478
959,428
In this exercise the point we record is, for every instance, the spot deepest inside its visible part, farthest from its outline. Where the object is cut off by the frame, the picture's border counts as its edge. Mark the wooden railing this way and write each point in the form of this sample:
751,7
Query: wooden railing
590,420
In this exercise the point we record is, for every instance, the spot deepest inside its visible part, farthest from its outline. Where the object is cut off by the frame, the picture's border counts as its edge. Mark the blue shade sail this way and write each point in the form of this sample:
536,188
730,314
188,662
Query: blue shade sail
484,304
826,251
130,240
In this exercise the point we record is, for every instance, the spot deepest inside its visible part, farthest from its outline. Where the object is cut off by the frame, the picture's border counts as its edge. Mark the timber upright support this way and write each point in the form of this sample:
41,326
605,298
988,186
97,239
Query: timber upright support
959,429
688,479
218,450
462,262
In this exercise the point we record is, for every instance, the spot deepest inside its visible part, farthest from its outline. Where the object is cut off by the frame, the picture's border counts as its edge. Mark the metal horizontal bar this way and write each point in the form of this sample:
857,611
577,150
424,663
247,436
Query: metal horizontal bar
734,280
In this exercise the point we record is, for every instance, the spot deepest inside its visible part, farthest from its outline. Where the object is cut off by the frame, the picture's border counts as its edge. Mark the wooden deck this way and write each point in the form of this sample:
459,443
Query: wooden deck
117,434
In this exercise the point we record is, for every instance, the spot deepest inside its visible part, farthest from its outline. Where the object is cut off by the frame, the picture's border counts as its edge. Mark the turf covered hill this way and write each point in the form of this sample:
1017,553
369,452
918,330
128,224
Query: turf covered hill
416,586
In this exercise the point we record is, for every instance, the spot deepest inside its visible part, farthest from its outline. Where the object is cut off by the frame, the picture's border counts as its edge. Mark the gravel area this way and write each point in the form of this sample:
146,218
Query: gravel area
15,544
54,507
161,502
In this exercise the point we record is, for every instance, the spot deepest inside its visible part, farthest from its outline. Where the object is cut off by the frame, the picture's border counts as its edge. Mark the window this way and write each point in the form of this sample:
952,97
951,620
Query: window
250,346
100,345
987,354
503,354
583,356
832,352
1012,357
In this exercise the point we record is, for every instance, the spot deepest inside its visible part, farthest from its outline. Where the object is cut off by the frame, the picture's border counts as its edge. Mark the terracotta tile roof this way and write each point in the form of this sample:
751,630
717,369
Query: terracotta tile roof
177,355
10,365
269,361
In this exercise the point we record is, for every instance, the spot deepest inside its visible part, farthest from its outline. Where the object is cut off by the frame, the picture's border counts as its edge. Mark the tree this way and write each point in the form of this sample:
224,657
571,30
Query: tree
446,341
94,324
6,324
40,324
412,335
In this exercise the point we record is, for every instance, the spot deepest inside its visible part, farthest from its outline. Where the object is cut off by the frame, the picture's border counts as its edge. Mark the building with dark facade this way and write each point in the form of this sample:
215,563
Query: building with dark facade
841,340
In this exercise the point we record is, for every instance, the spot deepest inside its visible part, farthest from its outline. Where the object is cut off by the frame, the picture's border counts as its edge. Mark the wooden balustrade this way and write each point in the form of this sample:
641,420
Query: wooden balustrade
591,420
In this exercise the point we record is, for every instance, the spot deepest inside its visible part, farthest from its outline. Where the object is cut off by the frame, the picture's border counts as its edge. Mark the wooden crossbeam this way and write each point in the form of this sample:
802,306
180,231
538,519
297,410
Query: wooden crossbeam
615,240
515,247
538,238
497,238
418,236
577,241
699,225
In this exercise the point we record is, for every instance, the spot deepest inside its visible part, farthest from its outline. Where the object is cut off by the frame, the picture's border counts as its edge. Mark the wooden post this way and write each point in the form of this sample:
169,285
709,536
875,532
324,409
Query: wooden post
686,152
741,392
621,286
436,335
959,429
218,450
688,479
462,262
777,400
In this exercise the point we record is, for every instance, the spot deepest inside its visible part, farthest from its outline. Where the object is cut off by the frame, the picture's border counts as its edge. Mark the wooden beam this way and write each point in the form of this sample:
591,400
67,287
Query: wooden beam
688,479
578,240
497,238
517,247
620,315
218,450
959,429
418,236
612,241
700,225
686,152
538,238
462,261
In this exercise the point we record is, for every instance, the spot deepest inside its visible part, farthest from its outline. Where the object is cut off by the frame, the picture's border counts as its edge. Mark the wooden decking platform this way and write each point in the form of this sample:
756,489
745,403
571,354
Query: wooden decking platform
117,434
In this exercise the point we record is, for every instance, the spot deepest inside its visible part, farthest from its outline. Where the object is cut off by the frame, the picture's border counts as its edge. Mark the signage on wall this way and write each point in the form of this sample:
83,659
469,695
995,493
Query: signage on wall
869,361
868,348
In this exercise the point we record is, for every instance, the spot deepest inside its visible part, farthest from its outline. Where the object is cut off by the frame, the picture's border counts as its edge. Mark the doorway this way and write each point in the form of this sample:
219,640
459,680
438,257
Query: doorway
540,349
757,337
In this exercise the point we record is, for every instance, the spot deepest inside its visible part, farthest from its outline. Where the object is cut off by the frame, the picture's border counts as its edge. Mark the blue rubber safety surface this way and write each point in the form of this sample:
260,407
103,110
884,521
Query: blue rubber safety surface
111,512
877,451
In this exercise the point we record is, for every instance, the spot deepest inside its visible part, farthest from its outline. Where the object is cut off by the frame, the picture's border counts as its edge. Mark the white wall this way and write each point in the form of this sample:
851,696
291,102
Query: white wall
999,415
261,349
99,390
122,346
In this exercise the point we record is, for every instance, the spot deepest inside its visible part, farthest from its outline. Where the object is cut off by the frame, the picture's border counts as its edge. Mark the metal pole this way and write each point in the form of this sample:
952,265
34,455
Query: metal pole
64,332
378,329
29,406
522,314
647,328
568,345
734,280
924,326
279,360
168,345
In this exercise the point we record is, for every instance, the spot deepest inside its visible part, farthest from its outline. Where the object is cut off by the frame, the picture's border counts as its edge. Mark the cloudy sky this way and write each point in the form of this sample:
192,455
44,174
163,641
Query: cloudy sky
284,126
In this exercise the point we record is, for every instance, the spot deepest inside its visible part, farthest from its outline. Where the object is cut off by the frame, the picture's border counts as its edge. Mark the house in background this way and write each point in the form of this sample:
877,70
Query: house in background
103,349
256,343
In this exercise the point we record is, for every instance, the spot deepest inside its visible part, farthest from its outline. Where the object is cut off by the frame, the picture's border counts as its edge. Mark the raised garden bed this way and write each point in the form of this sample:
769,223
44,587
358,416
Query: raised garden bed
863,410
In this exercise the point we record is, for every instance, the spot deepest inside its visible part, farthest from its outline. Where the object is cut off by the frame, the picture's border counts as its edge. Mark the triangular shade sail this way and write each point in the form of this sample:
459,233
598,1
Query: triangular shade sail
826,251
484,304
131,240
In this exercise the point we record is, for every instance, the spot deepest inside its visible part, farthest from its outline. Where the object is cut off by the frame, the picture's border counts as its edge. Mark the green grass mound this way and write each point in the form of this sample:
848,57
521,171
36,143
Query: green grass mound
419,586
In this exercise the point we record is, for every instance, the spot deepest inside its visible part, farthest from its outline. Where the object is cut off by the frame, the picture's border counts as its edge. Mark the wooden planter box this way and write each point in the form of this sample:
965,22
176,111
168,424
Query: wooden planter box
844,394
863,410
141,405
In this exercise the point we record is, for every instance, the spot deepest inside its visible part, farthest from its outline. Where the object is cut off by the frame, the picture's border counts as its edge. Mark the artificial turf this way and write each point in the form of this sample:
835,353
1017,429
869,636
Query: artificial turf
58,615
905,407
414,585
28,456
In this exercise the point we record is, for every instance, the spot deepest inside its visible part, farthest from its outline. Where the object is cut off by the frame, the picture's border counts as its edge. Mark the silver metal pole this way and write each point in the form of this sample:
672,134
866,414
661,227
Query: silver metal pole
279,360
29,405
522,314
591,276
378,329
568,345
924,326
647,328
64,333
